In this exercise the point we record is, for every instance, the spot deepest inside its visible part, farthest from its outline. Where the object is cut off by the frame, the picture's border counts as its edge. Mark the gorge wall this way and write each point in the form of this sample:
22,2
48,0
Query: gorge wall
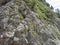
28,22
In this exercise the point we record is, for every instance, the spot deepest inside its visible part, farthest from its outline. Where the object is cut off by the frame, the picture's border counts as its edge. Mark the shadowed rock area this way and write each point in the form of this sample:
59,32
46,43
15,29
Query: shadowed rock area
3,2
22,23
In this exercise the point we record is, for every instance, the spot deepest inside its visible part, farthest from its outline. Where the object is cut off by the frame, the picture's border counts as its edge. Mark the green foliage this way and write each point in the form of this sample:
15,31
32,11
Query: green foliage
43,11
20,14
30,3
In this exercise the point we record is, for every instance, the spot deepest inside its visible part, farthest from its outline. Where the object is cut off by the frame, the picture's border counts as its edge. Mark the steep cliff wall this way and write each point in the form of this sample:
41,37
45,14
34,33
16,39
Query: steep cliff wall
28,22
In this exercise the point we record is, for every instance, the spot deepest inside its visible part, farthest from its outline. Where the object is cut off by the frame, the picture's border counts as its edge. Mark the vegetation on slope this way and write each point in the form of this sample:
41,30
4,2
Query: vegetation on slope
41,8
22,26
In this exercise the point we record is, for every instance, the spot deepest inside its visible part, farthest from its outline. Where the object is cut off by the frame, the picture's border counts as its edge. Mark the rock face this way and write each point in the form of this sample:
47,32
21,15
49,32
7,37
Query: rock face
3,2
19,25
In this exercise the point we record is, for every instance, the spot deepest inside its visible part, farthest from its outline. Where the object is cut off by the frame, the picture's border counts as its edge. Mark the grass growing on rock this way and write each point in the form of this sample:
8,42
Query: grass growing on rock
40,8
